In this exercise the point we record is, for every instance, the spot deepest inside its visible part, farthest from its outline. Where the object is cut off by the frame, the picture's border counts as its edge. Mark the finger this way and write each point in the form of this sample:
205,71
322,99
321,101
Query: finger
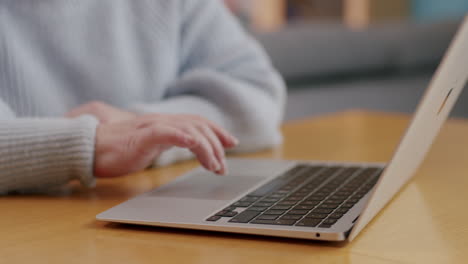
204,151
145,145
224,136
227,140
167,135
217,147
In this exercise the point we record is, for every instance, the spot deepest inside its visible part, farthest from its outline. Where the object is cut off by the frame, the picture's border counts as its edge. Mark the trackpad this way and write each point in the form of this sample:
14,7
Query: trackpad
200,184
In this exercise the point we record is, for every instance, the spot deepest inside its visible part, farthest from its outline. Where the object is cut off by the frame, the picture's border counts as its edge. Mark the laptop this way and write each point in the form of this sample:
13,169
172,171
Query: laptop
314,200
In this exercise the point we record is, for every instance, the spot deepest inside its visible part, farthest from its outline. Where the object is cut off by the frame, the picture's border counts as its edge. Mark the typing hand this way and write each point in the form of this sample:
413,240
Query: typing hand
132,144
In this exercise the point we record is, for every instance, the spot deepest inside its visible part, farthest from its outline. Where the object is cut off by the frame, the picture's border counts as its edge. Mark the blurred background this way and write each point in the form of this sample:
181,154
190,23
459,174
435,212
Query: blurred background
354,54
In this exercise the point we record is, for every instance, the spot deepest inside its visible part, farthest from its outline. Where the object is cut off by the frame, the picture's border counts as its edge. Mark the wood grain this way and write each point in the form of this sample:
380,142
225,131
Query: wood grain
425,223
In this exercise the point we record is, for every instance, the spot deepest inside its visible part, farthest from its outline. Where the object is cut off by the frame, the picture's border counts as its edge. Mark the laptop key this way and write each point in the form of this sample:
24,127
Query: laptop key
308,202
221,213
268,204
321,194
316,216
281,207
213,218
315,198
329,221
322,211
258,208
230,214
358,195
267,217
242,204
276,196
244,217
347,205
328,206
276,183
274,222
309,222
330,201
353,200
275,212
291,217
342,210
271,200
303,207
286,203
339,197
336,215
294,198
298,212
249,198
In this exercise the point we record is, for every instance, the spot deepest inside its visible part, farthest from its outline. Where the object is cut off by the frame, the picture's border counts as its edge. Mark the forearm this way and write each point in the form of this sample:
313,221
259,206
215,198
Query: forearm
41,153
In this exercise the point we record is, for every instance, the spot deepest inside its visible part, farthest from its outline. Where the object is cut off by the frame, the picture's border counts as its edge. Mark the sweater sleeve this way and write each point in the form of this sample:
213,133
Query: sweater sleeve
39,153
224,76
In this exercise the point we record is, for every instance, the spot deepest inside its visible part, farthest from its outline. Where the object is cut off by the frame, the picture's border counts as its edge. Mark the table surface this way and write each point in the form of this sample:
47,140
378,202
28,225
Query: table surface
425,223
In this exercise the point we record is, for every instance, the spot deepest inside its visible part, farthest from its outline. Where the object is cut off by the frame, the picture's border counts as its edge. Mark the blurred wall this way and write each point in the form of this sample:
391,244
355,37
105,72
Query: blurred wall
430,10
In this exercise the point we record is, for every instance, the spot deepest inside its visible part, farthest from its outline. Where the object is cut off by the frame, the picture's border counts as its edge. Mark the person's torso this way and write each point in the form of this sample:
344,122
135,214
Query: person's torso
57,54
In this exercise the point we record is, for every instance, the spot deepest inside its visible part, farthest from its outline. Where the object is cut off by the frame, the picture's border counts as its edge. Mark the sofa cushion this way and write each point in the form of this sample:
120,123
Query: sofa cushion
311,50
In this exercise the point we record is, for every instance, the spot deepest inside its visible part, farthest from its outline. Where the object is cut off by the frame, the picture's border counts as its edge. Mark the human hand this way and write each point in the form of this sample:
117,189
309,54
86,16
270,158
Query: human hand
105,113
131,145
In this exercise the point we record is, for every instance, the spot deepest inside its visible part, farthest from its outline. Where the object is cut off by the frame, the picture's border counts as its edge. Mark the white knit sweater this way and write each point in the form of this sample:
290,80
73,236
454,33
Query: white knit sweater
171,56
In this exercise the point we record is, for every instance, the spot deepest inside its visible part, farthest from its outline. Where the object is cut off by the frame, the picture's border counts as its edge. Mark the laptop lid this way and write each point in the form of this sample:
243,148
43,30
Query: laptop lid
432,111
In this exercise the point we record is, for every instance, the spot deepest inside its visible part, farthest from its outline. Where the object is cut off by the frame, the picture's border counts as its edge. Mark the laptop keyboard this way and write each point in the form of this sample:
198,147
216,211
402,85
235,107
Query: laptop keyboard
306,195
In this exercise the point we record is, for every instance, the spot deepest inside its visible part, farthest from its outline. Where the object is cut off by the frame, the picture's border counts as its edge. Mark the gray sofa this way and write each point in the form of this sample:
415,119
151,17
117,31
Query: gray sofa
329,68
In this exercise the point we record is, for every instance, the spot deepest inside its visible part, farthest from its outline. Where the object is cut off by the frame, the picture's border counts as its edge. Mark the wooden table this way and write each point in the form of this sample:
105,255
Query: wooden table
426,223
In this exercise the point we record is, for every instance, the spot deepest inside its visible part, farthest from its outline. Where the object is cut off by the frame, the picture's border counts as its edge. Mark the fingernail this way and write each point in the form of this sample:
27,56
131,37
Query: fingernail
225,167
215,166
235,140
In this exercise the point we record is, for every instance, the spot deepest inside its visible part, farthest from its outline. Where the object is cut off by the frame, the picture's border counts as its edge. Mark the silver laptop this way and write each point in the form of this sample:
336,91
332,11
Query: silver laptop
302,199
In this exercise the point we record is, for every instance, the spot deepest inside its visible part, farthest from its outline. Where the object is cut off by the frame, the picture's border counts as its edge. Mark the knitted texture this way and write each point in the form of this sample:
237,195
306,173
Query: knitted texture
147,56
